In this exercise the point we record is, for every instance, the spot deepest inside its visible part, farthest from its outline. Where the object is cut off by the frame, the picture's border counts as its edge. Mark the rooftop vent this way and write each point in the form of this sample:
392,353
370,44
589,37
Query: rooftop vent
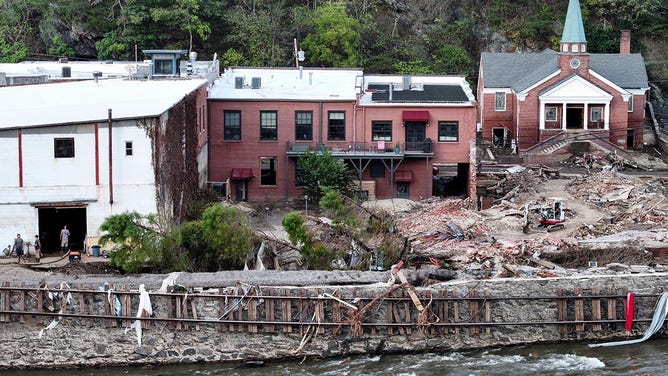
406,82
96,75
256,82
238,82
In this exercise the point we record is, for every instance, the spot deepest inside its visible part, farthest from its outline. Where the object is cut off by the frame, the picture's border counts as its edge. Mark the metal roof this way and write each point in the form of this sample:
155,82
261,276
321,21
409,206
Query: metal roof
285,84
573,27
89,101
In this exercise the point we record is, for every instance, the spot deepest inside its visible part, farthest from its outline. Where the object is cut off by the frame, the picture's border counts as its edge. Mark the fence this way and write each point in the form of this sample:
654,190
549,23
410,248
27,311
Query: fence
397,309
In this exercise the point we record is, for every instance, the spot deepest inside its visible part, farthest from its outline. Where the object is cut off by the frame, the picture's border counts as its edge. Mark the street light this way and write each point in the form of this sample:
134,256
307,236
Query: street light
306,198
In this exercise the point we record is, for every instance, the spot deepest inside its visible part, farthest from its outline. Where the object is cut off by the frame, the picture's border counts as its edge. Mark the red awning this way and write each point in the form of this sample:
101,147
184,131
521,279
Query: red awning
416,116
403,176
242,173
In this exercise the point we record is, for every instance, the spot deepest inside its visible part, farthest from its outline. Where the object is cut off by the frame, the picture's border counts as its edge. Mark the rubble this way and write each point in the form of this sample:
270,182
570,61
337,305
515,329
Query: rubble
604,211
610,219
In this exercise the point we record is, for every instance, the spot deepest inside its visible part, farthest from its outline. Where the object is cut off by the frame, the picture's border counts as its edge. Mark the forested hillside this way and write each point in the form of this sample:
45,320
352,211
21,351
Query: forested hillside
382,36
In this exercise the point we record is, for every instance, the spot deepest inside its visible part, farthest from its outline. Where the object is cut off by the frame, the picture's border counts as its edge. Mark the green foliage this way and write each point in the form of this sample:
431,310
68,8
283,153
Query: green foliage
141,244
12,52
233,58
335,38
321,170
317,255
449,59
111,47
259,33
293,223
201,256
59,48
202,199
229,233
602,39
220,239
345,220
413,67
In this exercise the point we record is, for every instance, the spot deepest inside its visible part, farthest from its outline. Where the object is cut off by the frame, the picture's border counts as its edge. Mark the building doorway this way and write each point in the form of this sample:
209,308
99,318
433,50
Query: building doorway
630,139
241,190
403,190
52,219
574,118
415,136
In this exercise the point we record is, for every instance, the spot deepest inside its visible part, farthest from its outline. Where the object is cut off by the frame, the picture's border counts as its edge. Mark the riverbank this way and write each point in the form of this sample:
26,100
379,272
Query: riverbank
504,312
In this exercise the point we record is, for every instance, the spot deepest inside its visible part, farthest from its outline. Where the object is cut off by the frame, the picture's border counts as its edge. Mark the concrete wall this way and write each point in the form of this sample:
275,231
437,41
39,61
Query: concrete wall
40,178
77,342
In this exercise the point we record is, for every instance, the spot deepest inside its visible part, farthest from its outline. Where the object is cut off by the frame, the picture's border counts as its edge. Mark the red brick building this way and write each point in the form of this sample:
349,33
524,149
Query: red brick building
545,103
391,130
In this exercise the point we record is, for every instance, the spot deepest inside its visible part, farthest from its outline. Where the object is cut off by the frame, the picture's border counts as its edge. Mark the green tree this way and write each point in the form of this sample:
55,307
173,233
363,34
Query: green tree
335,38
144,243
321,170
315,253
59,48
229,233
259,32
449,59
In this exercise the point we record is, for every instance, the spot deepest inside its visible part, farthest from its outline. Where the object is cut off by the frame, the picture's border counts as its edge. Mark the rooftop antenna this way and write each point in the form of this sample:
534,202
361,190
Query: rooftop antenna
299,55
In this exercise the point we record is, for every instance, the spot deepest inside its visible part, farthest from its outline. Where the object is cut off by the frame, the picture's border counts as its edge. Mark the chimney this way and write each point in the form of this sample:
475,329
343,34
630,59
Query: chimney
625,42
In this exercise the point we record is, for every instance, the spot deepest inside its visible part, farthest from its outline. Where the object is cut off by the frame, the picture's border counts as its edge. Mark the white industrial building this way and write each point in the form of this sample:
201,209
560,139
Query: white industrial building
73,153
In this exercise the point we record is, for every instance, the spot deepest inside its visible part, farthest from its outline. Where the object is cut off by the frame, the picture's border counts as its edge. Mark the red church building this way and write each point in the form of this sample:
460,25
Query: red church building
543,104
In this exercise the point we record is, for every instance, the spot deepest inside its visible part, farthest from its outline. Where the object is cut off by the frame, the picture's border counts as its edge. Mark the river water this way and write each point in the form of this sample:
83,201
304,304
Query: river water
647,358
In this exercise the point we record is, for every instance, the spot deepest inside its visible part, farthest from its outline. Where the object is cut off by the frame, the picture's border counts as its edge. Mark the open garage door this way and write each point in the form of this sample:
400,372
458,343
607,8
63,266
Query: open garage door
52,220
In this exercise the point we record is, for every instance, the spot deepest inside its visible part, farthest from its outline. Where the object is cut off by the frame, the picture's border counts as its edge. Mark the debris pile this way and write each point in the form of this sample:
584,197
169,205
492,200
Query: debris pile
490,243
629,202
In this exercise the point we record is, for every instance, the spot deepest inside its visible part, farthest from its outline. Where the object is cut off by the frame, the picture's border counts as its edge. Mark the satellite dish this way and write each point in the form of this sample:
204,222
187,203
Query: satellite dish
300,55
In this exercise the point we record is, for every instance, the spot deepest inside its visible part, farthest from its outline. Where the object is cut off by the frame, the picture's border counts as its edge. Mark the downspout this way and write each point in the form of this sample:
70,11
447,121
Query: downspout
111,184
97,155
320,123
517,125
20,140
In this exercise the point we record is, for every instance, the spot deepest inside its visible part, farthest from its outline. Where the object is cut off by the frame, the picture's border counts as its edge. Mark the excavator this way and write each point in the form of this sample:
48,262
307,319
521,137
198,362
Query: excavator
550,217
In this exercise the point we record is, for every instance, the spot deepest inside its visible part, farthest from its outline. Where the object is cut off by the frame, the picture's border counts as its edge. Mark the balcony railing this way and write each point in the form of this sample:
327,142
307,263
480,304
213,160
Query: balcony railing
362,148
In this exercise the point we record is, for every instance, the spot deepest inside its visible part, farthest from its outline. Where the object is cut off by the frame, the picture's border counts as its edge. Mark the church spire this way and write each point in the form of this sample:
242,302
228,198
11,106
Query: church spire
573,39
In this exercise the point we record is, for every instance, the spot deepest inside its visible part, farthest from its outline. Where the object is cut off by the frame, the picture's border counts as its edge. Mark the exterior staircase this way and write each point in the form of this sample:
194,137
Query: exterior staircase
560,147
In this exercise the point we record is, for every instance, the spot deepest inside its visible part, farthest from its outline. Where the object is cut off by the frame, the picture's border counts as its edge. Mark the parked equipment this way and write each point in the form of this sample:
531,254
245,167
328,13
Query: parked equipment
75,256
550,217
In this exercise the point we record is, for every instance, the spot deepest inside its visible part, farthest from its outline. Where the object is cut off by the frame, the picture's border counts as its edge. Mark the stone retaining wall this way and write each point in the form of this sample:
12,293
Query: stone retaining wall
79,342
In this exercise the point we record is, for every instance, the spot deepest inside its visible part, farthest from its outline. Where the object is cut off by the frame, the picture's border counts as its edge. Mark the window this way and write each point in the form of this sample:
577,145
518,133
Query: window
268,171
336,127
448,131
596,114
381,131
219,187
232,125
499,101
550,114
630,104
164,67
304,125
377,169
128,147
63,148
268,125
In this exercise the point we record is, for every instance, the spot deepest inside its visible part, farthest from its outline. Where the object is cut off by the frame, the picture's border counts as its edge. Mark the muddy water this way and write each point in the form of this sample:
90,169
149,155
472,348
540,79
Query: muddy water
648,358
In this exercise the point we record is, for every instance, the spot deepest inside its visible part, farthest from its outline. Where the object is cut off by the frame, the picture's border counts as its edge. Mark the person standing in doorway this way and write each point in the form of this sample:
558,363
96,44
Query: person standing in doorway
18,246
64,239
